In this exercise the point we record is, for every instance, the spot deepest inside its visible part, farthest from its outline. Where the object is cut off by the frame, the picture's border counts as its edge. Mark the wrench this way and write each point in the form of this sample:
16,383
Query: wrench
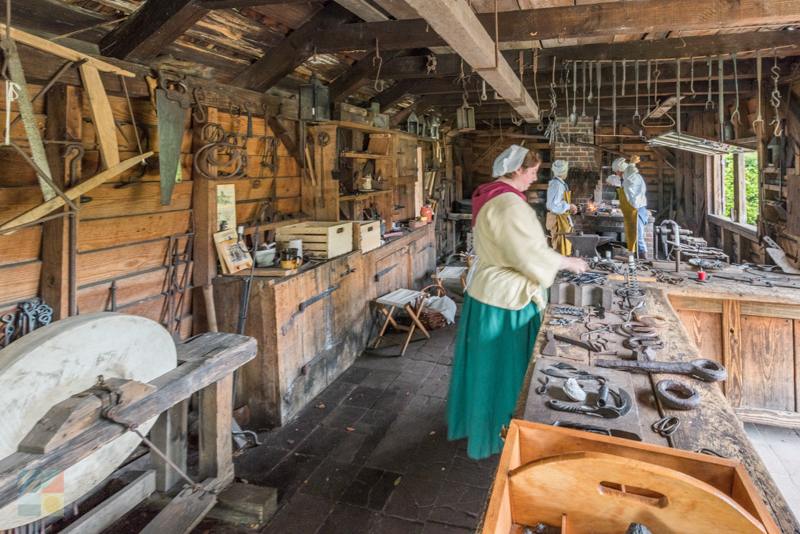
707,370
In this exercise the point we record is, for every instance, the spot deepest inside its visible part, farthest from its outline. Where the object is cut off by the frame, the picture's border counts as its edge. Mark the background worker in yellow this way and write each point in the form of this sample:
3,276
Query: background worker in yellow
632,201
559,208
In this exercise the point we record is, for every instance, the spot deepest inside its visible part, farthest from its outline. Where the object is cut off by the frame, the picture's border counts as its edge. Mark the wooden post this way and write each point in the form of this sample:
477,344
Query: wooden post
418,185
64,123
732,350
204,203
739,196
216,448
169,435
660,163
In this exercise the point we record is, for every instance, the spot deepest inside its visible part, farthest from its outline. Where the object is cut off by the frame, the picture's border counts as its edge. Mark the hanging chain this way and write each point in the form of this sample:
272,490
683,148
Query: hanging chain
379,59
691,83
775,98
553,100
736,82
710,101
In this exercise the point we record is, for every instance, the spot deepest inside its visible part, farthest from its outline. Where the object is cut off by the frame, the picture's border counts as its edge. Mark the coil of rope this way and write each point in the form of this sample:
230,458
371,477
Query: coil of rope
233,152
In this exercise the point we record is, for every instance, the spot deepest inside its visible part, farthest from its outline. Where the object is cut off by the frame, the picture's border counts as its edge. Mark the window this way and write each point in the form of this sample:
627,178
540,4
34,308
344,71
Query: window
741,187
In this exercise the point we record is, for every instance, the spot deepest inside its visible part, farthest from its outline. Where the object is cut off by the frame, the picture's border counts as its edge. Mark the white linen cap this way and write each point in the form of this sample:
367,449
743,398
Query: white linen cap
559,167
619,165
508,161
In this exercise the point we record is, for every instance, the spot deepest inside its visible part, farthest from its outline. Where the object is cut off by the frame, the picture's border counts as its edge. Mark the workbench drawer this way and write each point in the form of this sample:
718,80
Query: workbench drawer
321,240
366,235
587,483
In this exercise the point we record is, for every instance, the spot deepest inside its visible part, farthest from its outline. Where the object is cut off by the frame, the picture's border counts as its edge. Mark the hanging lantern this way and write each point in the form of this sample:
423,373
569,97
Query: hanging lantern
314,101
465,118
412,125
435,121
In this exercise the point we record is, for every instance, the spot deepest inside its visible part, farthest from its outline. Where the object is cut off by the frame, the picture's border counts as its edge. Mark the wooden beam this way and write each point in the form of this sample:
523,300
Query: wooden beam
589,20
293,51
102,116
238,4
216,413
150,29
462,30
401,116
395,93
357,75
363,10
169,434
64,123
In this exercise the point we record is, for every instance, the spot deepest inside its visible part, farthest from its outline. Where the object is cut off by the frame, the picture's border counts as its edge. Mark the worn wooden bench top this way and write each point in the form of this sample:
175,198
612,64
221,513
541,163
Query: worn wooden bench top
713,426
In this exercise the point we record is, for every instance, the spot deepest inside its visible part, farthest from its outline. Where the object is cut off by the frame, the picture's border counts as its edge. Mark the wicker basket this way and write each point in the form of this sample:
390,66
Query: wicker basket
433,320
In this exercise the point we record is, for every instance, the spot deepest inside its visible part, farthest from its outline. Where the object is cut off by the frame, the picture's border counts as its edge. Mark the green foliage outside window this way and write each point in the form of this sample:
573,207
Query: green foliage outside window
751,185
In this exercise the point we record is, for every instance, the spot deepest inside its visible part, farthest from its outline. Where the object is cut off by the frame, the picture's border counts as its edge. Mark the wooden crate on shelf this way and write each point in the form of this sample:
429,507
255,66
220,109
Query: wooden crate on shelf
366,235
321,240
380,144
589,483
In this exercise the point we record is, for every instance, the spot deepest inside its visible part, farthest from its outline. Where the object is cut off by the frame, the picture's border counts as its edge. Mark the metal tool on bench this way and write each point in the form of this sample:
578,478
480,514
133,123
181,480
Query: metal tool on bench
666,426
607,412
588,345
707,370
613,432
677,395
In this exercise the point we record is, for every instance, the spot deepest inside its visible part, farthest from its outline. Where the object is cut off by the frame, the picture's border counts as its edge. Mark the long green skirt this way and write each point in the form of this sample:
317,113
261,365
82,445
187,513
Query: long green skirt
493,349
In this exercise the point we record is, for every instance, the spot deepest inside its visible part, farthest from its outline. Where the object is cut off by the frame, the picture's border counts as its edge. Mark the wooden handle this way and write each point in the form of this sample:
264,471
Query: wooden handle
211,310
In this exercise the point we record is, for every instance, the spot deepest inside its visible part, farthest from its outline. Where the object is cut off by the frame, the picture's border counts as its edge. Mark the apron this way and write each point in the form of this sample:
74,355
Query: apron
561,224
630,214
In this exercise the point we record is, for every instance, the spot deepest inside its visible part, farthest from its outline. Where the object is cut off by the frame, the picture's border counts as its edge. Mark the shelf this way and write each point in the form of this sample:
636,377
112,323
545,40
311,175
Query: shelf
356,155
364,194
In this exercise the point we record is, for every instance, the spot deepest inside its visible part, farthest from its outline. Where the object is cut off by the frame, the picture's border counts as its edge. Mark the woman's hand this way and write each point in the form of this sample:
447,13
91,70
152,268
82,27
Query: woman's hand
573,209
573,265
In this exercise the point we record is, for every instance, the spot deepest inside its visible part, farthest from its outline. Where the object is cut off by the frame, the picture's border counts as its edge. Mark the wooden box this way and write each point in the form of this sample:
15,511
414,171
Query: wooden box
379,144
348,113
588,483
321,240
366,235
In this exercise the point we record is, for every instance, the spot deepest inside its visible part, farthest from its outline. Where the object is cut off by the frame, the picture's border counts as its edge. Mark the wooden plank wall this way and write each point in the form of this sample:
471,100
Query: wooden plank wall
123,232
759,345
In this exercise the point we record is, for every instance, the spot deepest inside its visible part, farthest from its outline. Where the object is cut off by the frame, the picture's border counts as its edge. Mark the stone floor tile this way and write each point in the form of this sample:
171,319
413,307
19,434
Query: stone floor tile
288,475
427,357
789,490
288,436
382,524
459,505
347,519
329,480
388,361
425,407
789,456
322,441
347,451
753,433
379,378
431,464
343,416
375,422
471,472
397,448
419,367
257,462
775,435
413,499
363,396
393,399
432,527
302,515
437,383
354,375
370,488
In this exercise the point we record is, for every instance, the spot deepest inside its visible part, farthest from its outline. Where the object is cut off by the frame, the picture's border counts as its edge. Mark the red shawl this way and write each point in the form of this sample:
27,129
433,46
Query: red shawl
487,192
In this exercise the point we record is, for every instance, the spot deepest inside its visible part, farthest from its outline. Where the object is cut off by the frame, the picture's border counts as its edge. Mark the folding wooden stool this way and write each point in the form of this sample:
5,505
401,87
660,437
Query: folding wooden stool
449,273
401,298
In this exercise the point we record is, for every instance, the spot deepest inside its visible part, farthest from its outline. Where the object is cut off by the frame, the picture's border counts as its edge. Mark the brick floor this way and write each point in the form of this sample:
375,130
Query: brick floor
376,459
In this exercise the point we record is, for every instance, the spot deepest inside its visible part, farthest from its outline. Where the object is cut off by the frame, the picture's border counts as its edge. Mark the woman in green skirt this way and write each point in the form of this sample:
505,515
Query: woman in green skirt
500,316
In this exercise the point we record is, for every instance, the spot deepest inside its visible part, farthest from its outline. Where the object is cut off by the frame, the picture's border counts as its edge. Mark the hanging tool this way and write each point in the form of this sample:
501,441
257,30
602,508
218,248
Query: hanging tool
678,97
573,118
624,76
249,119
323,139
648,89
775,98
707,370
597,120
759,120
710,101
583,65
720,77
691,83
591,86
636,116
305,304
614,97
736,82
172,102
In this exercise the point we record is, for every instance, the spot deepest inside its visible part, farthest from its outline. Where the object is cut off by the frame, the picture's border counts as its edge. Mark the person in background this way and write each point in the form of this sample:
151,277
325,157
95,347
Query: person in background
559,208
632,201
500,316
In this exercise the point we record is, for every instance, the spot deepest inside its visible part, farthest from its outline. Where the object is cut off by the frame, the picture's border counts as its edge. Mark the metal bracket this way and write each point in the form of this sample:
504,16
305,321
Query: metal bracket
305,304
385,271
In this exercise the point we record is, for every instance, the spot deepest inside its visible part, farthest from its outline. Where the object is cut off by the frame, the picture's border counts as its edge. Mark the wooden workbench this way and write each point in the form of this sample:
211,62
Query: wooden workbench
714,425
